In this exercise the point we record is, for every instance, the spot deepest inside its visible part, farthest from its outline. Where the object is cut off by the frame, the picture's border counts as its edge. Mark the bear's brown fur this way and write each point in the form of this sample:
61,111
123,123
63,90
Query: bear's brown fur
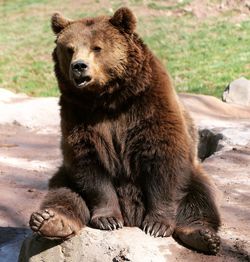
128,144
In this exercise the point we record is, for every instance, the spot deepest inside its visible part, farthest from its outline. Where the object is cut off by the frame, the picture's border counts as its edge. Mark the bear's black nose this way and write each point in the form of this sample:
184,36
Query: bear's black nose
79,66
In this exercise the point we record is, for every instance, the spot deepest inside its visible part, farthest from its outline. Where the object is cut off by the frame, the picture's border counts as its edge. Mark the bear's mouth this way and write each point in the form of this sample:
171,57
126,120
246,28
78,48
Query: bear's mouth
82,81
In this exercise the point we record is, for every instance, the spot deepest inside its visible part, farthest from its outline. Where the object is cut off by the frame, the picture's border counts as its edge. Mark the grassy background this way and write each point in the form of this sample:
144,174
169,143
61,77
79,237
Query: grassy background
204,44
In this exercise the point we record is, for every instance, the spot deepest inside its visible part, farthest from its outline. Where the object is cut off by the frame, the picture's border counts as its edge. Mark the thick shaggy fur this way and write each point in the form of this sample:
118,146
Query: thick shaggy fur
128,144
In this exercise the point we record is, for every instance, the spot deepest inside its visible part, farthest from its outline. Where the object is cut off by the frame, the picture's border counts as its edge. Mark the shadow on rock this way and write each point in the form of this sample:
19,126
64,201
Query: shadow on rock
208,143
35,244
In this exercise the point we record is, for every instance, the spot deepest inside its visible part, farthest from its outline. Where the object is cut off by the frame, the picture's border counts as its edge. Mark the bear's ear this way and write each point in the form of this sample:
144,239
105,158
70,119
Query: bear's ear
58,22
124,20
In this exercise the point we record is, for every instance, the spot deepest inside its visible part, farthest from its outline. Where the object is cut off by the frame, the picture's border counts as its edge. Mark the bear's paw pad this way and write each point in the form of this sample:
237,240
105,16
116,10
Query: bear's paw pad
203,240
48,223
212,240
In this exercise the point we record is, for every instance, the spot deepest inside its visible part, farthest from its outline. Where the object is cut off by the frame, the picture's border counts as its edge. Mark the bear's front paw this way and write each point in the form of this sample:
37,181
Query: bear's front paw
157,227
106,223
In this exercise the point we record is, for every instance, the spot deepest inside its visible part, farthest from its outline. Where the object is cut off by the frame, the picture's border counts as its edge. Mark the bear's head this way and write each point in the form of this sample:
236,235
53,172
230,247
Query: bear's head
95,54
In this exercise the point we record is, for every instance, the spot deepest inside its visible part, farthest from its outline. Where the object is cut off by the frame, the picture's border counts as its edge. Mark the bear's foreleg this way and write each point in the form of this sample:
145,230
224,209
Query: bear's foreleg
160,165
159,192
96,187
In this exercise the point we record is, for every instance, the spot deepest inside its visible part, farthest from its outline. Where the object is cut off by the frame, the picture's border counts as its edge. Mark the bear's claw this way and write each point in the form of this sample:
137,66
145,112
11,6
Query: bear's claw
106,223
157,229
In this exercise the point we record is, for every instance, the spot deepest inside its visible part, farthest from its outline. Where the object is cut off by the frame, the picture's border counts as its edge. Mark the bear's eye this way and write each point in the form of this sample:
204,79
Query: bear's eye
97,49
70,50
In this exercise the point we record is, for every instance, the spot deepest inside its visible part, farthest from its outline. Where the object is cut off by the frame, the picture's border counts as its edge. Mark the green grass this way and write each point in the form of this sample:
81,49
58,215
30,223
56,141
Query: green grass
202,55
170,6
204,58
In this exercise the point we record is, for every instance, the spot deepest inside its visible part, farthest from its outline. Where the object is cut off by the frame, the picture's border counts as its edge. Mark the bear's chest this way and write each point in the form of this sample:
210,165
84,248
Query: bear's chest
110,145
110,141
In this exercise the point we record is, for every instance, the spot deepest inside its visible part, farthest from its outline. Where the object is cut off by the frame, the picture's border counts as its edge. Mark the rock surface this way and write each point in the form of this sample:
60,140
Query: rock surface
39,114
128,244
238,92
29,154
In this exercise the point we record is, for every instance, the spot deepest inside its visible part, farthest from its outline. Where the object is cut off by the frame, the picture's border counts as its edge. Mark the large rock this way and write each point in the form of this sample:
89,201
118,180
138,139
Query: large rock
35,113
238,92
229,120
127,244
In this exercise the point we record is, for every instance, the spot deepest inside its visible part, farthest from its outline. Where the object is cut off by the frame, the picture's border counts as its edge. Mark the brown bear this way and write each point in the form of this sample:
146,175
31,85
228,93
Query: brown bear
128,144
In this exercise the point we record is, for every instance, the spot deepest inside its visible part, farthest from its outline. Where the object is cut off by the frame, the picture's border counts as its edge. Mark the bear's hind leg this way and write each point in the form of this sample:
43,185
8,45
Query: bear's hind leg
63,213
197,219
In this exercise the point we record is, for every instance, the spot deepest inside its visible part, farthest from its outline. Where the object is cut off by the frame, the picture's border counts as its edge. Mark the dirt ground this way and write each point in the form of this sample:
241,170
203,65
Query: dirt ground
29,156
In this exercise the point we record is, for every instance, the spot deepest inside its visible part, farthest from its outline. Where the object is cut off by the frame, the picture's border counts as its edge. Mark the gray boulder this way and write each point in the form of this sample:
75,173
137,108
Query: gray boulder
238,92
127,244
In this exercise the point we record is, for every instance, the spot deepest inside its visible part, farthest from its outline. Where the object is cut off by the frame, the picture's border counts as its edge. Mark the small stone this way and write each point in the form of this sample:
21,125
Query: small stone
238,92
